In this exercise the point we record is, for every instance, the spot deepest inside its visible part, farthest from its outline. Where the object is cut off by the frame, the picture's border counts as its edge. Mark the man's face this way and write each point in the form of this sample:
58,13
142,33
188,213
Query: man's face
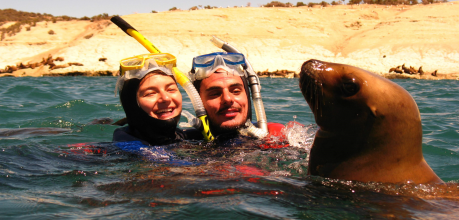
225,100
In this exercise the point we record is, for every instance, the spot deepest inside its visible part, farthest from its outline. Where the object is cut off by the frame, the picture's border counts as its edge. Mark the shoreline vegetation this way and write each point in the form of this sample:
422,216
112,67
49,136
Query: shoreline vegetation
394,38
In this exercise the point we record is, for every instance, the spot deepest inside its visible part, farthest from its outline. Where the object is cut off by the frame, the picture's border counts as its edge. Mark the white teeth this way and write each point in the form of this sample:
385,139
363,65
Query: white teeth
164,111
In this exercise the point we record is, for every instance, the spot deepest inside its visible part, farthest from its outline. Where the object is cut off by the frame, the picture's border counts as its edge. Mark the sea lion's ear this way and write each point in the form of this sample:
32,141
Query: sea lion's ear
373,111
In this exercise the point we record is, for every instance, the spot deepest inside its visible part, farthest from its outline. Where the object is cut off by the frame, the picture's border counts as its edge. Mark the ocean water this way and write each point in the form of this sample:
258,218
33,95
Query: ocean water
67,167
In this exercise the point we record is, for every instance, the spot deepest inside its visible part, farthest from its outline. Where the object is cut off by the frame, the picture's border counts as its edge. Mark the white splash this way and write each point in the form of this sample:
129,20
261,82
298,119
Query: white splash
299,135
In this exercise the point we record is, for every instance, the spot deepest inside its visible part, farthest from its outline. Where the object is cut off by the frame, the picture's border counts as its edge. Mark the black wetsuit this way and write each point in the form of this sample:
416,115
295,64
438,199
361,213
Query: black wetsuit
125,134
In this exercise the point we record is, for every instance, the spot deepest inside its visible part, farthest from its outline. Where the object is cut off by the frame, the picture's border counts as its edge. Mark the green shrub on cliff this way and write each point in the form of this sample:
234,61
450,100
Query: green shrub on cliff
99,17
24,18
299,4
30,18
278,4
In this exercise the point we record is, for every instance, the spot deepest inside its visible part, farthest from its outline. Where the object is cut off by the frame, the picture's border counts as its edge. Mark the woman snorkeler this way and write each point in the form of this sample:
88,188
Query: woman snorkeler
151,101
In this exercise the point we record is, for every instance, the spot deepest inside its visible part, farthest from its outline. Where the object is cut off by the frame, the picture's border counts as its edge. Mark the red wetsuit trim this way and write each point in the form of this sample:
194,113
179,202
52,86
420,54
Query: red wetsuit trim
275,129
276,138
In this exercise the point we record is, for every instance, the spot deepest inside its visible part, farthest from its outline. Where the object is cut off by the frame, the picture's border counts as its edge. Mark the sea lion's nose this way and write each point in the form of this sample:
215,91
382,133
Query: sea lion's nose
311,64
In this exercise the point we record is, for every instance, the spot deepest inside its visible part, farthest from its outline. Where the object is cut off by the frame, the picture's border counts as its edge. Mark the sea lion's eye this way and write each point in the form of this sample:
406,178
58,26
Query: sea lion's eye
350,88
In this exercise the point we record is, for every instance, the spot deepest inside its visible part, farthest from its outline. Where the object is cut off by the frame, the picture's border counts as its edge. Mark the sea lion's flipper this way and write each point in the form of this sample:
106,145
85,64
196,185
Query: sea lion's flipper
121,122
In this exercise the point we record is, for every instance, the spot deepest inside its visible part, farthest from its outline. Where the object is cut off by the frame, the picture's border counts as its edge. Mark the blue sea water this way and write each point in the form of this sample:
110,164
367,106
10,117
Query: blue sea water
47,175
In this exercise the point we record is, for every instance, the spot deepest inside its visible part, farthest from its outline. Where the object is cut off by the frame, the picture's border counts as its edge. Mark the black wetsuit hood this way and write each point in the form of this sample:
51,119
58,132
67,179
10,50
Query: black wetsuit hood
142,125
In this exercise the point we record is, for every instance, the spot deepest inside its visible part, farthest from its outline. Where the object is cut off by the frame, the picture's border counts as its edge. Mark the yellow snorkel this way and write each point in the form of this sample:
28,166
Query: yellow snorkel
181,78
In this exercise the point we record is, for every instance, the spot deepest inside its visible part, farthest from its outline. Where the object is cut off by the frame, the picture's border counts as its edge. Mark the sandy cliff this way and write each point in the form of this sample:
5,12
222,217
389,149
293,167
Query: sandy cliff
372,37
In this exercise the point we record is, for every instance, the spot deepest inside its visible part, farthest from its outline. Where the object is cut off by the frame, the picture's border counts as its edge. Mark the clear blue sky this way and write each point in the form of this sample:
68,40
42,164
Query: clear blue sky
81,8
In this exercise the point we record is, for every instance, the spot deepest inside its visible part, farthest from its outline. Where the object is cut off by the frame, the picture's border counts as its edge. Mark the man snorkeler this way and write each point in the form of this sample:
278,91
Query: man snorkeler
221,81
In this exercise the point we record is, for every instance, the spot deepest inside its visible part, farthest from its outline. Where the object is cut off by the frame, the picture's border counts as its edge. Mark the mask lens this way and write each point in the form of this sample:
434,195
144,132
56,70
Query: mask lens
163,59
209,59
132,63
204,61
233,59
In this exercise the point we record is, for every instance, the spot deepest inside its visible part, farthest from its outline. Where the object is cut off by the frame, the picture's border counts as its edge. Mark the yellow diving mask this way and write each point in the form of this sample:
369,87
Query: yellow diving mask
140,65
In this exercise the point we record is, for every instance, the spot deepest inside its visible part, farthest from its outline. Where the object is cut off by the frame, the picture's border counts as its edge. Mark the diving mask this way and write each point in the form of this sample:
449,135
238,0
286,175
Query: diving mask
205,65
139,66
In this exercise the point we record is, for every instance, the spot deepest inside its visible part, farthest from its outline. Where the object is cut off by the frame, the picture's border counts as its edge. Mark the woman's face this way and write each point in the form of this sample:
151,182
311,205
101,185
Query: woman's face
159,96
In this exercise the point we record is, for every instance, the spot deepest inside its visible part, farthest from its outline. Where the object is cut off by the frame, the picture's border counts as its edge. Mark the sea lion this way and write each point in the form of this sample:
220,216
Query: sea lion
59,59
101,121
58,66
406,69
369,127
50,60
420,71
413,70
11,69
398,70
22,66
395,69
28,132
75,64
51,66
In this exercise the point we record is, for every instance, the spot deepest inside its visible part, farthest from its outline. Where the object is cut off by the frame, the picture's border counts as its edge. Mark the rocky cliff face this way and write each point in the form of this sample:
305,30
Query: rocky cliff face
371,37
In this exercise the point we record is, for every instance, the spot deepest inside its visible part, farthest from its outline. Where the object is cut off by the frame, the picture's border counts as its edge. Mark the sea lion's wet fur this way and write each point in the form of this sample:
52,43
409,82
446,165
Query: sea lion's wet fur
369,127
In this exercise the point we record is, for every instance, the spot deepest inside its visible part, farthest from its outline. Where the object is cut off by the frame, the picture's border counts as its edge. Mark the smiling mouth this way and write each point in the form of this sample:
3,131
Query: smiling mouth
164,112
231,112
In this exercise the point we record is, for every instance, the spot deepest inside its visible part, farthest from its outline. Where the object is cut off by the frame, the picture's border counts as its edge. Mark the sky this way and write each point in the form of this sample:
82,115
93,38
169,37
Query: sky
89,8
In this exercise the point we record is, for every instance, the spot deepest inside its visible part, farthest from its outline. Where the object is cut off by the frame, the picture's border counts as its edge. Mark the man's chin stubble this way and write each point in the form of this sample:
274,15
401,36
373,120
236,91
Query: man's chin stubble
226,128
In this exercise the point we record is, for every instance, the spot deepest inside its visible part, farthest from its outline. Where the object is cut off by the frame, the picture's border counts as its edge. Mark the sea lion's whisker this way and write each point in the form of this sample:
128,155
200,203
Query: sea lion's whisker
319,97
312,95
